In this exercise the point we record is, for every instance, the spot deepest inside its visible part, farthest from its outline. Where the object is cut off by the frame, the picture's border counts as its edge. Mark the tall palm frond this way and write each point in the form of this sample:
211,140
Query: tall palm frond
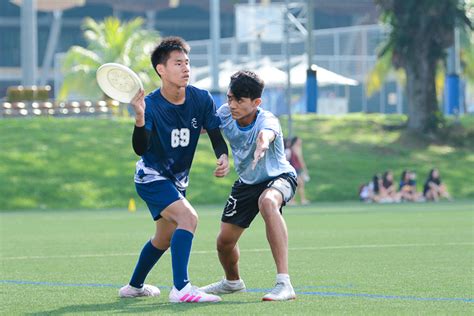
108,41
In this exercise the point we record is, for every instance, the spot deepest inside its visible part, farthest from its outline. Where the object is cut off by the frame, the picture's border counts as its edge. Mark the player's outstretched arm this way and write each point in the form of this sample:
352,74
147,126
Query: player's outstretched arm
264,138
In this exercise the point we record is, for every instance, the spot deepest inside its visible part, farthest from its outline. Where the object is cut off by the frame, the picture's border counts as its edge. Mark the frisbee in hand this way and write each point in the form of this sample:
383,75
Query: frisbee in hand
118,82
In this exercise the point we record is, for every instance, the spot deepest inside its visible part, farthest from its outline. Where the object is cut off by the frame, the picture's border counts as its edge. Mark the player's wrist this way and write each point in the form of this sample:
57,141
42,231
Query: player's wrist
139,121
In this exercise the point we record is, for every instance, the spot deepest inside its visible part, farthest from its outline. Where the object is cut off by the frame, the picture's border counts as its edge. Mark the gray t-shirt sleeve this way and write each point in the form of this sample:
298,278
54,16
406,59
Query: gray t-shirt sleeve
270,122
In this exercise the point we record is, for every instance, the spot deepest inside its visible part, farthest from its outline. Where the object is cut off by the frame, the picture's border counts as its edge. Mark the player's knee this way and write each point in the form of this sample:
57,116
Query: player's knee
267,205
188,219
193,219
224,244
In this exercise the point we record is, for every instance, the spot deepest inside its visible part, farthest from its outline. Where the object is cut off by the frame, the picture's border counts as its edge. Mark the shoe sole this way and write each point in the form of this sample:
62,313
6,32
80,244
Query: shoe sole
228,292
219,293
270,300
133,296
178,302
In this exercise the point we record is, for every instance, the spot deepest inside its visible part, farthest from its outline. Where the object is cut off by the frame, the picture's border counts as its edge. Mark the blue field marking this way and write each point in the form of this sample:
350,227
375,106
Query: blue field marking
334,294
341,286
59,283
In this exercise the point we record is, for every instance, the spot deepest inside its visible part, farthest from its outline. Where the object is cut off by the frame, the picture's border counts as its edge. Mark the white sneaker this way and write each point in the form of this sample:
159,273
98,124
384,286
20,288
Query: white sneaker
146,290
282,291
191,294
224,287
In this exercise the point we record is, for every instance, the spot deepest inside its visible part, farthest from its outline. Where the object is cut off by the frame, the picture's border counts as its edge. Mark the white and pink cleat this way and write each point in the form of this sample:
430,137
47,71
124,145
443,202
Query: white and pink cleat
192,294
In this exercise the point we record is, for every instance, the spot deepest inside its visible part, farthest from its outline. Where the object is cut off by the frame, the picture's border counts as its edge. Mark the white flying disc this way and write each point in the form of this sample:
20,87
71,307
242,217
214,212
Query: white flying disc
118,82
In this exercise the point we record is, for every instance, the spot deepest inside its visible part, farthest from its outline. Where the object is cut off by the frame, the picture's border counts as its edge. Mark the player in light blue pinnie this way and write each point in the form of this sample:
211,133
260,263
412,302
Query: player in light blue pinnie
266,183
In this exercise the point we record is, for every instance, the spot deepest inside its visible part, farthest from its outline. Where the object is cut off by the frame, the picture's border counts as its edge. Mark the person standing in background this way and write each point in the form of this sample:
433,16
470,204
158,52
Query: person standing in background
294,153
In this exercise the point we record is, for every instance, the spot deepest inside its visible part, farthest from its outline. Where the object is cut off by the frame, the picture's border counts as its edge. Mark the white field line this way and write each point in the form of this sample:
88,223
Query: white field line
248,250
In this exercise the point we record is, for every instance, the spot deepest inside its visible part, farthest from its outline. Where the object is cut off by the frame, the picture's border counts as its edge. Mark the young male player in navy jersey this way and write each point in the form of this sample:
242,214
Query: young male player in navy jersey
168,123
266,182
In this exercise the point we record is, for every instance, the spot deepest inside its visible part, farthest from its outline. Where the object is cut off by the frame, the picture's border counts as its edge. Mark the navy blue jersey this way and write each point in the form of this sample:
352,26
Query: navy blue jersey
174,130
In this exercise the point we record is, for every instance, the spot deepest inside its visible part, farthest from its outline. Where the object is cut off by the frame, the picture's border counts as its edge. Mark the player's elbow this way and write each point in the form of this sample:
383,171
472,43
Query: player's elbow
139,150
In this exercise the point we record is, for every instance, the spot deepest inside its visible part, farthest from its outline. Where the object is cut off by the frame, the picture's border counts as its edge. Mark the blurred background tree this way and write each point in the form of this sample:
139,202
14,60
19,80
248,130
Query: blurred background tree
421,30
467,47
108,41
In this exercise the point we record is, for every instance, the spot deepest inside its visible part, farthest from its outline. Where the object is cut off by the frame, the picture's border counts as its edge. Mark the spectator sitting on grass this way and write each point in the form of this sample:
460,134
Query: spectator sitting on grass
366,192
434,188
378,191
407,188
391,193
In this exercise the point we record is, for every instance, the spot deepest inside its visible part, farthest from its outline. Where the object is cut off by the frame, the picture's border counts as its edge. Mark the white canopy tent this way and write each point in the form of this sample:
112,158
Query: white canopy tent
328,103
274,77
271,75
227,69
324,77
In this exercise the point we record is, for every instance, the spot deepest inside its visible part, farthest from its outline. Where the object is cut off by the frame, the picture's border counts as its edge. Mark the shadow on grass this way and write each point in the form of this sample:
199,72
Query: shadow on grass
135,306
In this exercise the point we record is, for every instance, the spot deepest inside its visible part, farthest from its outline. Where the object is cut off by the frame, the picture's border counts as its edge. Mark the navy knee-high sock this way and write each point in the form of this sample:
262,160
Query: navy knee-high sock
148,257
181,243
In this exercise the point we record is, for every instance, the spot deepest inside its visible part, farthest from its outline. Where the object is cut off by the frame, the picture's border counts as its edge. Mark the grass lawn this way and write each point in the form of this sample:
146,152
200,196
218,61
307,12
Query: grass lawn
345,258
50,163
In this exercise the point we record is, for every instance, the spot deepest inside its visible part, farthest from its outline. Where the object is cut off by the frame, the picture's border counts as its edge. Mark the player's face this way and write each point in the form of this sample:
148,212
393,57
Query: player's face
176,70
243,110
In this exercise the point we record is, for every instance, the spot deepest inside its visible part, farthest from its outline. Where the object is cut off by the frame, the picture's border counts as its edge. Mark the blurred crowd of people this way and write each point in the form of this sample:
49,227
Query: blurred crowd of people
383,188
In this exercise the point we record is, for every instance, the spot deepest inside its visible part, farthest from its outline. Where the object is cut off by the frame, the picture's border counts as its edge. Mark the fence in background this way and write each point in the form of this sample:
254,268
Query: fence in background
349,51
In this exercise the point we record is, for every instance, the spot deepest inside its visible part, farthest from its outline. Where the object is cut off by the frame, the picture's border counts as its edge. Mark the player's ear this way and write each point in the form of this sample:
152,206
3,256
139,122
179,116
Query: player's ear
257,101
159,69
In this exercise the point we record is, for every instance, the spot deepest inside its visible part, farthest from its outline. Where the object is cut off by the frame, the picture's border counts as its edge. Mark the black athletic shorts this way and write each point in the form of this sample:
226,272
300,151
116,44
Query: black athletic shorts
242,204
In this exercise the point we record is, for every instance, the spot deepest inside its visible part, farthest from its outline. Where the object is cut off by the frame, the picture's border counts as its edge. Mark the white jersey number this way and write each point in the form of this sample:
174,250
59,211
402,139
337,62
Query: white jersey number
180,137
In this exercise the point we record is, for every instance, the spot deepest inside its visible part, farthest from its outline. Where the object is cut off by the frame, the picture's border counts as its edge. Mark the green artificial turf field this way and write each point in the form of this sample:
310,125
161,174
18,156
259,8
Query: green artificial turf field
344,258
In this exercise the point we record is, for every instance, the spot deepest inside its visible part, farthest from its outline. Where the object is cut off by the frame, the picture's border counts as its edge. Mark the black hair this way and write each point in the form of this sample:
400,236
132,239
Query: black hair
161,53
404,174
293,140
246,84
375,181
387,183
430,175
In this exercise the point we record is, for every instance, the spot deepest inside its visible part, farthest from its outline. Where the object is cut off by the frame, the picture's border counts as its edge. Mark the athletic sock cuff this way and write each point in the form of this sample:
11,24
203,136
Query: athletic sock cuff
156,251
234,282
282,277
184,232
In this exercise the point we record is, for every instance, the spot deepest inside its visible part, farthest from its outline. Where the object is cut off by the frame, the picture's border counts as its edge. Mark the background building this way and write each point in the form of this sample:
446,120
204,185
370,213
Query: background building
346,36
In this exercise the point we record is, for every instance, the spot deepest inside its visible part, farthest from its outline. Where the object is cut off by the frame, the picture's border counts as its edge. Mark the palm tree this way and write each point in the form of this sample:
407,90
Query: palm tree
108,41
421,31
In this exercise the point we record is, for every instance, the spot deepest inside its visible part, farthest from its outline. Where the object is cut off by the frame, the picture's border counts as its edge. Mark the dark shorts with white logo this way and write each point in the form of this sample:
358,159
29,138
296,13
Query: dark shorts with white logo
242,204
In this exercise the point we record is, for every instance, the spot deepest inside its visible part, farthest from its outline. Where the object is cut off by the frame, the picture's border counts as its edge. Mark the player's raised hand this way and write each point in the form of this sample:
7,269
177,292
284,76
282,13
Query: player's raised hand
222,168
263,143
138,104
